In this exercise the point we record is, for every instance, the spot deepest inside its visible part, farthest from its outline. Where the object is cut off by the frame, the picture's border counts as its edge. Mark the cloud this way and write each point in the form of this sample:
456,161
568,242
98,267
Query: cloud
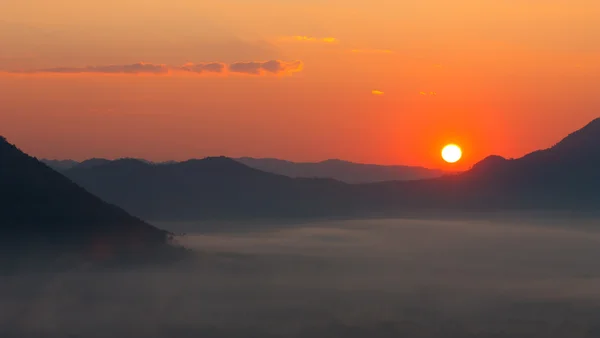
211,67
246,67
376,92
372,51
136,68
330,40
303,38
273,67
251,67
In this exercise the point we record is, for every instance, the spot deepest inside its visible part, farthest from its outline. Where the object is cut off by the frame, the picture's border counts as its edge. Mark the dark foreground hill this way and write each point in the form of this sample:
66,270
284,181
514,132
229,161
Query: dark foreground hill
563,177
45,215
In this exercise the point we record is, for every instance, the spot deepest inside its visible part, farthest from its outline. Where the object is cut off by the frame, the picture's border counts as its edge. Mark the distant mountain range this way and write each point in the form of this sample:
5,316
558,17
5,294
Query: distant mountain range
344,171
348,172
211,188
60,165
44,213
565,176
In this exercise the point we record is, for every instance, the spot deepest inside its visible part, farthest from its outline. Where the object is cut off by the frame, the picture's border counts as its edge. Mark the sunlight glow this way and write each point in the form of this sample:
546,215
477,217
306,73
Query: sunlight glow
451,153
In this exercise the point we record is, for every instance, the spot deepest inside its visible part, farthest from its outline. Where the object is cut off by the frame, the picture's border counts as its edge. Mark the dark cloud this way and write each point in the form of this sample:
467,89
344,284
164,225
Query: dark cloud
272,66
136,68
246,67
211,67
252,67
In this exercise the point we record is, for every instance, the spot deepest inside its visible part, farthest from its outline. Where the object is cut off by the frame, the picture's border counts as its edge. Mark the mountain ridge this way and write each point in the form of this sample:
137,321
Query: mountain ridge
341,170
345,171
558,177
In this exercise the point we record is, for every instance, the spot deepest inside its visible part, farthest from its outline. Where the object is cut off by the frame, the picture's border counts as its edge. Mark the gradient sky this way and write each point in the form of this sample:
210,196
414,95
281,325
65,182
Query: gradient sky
385,82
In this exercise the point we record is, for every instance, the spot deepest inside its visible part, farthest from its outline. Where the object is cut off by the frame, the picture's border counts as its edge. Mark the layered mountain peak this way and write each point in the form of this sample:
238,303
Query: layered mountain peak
584,140
491,162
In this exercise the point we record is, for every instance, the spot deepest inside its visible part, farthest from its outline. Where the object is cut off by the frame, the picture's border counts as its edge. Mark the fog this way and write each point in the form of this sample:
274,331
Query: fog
360,278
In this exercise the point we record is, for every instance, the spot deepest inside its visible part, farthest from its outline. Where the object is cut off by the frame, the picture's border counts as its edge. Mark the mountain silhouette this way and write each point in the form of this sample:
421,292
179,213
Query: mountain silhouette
91,162
340,170
564,177
344,171
60,165
43,212
214,187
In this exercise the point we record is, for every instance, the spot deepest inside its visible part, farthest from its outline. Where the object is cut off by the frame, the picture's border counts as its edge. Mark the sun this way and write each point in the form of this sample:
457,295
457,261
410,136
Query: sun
451,153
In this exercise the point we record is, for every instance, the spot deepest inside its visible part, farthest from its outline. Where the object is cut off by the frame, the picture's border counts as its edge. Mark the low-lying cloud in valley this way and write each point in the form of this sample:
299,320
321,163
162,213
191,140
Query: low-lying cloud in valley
363,278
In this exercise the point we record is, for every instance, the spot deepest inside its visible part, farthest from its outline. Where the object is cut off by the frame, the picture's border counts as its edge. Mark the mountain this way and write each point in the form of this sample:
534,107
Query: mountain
59,165
214,187
43,212
565,176
92,162
344,171
63,165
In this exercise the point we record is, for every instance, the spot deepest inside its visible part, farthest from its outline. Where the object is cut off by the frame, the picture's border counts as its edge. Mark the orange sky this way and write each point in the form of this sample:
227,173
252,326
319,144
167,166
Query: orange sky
496,77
